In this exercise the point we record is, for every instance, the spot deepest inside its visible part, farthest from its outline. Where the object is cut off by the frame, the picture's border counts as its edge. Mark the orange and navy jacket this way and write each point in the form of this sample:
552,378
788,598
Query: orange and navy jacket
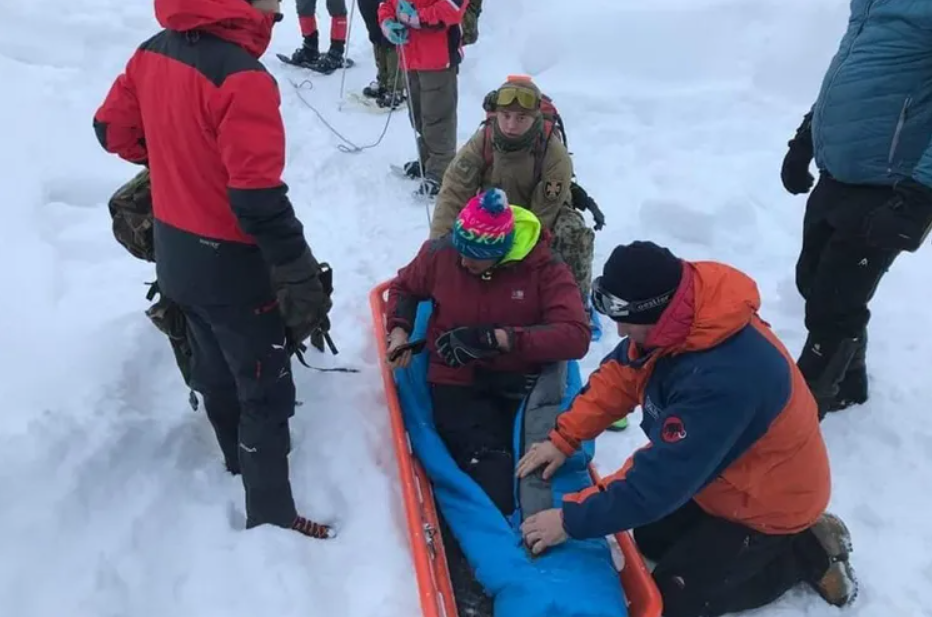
730,419
438,43
197,106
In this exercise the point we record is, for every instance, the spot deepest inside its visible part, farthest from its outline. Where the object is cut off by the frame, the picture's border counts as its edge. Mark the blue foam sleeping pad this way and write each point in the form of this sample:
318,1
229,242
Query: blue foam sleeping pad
575,579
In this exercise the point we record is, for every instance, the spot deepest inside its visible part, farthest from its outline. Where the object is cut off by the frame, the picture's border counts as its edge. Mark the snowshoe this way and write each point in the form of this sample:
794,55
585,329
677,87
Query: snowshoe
374,91
427,189
391,100
331,61
412,170
304,57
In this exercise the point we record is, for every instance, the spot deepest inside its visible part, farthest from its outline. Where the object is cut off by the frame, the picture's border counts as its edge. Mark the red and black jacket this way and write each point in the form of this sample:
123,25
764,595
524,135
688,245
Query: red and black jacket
197,106
438,43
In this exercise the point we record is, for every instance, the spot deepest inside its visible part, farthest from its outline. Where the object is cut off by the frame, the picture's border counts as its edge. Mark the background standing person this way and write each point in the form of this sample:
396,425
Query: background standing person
869,132
197,107
308,55
388,89
430,33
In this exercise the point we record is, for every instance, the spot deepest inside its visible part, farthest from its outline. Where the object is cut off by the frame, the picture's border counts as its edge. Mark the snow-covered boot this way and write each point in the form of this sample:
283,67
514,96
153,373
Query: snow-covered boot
412,169
373,91
331,61
428,188
311,529
833,578
824,362
308,54
853,387
391,100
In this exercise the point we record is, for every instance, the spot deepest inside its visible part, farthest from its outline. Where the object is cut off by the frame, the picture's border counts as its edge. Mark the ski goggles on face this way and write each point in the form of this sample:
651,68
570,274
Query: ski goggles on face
617,309
525,98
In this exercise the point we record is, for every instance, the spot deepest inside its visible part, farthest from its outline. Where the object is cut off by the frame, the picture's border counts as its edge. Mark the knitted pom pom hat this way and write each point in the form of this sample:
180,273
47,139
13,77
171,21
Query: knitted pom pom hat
485,228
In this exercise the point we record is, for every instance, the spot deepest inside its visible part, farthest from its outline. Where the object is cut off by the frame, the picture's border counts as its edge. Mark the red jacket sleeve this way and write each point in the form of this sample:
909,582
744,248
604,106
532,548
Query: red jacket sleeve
118,121
413,284
387,10
251,142
610,395
443,12
563,333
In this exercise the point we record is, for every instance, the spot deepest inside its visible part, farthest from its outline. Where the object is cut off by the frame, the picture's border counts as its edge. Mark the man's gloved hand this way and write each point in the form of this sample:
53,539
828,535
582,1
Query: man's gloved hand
407,14
395,31
303,297
460,346
903,222
795,172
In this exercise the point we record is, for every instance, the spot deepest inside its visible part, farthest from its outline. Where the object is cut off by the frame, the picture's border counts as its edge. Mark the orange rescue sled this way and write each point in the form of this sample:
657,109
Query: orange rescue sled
430,564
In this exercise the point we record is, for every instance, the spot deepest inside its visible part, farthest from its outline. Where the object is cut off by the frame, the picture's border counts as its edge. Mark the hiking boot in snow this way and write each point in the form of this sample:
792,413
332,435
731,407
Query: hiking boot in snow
824,362
373,91
391,100
853,387
428,188
331,61
308,54
412,169
311,529
833,577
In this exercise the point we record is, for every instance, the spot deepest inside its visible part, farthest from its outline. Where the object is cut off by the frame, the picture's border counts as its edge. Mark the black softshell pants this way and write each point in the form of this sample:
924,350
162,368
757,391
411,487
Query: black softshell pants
241,368
707,566
837,274
477,428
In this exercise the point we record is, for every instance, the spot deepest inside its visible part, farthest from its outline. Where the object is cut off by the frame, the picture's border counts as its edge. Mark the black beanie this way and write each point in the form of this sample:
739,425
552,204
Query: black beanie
642,271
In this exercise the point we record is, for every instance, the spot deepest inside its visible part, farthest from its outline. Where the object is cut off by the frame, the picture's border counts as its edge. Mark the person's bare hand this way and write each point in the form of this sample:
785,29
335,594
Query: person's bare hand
542,454
544,530
396,338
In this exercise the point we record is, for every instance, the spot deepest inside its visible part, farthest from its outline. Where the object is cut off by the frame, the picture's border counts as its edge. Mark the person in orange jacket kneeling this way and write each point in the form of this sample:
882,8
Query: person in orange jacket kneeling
729,496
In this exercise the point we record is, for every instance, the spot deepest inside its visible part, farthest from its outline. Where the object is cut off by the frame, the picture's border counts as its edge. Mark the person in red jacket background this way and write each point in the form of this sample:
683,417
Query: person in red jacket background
729,495
197,107
429,40
503,306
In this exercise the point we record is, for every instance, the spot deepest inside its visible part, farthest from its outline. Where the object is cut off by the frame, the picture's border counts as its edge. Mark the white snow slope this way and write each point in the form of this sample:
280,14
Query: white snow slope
114,499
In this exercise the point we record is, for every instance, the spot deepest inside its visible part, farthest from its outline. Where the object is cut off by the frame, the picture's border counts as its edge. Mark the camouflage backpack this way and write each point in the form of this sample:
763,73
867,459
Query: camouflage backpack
131,213
553,126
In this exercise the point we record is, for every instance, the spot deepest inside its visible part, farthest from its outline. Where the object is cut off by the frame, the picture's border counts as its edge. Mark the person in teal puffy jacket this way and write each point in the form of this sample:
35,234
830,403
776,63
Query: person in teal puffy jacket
869,132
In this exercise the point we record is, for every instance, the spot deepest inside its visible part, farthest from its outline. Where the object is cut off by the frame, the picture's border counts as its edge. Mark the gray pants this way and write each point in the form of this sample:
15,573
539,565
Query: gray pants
433,99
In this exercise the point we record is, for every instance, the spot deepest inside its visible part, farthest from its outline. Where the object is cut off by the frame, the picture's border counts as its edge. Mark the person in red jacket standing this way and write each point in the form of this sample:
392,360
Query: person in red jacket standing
429,40
197,107
504,306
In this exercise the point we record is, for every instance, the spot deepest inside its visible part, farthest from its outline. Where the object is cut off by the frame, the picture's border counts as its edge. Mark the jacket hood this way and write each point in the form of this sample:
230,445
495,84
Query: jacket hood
235,21
527,235
714,301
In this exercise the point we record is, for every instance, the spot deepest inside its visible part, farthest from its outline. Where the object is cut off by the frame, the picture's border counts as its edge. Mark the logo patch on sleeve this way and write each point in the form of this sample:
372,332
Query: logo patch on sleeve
673,430
552,189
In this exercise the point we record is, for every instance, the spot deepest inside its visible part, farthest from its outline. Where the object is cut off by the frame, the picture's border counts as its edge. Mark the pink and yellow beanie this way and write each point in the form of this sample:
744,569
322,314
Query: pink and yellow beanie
485,228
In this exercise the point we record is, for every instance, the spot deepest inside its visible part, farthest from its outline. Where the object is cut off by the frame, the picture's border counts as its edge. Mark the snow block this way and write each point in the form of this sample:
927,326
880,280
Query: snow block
575,579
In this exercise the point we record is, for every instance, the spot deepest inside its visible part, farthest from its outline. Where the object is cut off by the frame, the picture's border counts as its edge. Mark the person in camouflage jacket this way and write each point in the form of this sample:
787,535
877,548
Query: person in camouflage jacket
542,186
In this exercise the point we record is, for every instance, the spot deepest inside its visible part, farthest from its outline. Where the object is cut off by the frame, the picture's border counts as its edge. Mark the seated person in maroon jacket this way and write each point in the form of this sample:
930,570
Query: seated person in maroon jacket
503,305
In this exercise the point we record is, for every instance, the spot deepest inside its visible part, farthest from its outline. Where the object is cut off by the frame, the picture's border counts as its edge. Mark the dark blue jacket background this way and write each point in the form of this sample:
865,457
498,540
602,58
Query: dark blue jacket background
872,121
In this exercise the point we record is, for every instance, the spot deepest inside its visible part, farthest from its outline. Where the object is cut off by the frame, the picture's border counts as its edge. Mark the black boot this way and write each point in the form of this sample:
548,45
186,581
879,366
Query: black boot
333,59
853,388
308,54
824,363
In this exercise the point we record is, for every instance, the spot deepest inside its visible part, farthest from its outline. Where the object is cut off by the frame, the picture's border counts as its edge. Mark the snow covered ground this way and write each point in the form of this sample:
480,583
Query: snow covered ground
114,499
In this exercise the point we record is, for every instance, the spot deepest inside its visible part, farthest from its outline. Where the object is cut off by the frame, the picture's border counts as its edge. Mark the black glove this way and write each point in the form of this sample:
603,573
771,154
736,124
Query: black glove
583,201
303,296
795,172
903,222
460,346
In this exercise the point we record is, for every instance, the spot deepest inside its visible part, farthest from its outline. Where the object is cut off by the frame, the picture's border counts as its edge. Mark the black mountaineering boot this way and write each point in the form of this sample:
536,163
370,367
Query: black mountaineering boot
824,363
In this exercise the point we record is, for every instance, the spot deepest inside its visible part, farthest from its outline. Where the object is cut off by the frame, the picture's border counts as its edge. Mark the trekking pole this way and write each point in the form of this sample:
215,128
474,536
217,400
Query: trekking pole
403,62
349,32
